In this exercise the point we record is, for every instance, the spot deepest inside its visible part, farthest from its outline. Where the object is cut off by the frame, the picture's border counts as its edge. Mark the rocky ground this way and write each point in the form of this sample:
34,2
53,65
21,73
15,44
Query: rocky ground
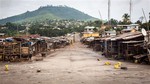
74,64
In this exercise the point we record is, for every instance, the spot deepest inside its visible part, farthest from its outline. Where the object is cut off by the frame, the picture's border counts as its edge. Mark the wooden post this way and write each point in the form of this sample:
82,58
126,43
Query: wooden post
118,48
127,54
111,48
105,48
20,50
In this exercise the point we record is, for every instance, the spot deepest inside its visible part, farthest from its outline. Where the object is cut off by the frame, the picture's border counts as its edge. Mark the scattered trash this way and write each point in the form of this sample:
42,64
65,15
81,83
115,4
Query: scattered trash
136,61
39,59
6,67
38,70
43,54
107,63
119,64
124,68
98,59
116,66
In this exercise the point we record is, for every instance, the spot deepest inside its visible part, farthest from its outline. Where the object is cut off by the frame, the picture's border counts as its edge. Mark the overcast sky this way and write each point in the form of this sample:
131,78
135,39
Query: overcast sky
91,7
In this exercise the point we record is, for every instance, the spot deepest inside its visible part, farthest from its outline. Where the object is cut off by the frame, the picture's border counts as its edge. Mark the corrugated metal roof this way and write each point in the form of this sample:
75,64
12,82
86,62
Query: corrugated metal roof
131,37
124,36
132,41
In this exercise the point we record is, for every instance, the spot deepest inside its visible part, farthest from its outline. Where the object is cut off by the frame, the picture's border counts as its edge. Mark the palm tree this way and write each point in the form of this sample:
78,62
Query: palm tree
126,18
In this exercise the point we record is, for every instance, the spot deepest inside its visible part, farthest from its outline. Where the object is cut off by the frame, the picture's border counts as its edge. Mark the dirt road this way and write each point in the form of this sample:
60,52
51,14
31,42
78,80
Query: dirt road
74,64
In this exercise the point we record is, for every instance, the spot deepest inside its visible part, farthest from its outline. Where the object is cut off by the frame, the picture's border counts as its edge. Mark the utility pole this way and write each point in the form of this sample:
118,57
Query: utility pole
149,17
100,15
109,12
27,29
148,27
74,37
146,23
130,10
17,30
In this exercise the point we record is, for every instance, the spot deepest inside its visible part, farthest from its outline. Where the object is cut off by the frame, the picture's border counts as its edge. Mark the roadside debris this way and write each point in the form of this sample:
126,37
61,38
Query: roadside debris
39,70
136,61
107,63
124,68
39,59
116,66
98,59
6,68
119,64
43,54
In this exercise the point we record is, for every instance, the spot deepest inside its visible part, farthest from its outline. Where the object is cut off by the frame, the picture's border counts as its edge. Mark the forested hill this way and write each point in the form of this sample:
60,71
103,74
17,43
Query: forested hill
48,13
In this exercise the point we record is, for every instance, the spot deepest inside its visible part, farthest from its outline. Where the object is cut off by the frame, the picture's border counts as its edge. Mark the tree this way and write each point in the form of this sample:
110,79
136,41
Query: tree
12,28
138,22
112,21
126,19
145,25
97,23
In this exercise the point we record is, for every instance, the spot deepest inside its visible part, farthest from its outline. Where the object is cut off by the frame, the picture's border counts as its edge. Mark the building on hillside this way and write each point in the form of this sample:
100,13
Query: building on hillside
3,27
128,28
109,33
2,34
89,29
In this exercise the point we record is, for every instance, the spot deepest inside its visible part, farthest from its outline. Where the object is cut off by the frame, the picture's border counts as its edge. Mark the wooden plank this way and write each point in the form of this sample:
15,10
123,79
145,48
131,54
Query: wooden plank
138,56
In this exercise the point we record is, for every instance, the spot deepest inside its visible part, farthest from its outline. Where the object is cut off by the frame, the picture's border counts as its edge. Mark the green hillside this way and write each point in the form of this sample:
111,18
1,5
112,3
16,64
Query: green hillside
48,12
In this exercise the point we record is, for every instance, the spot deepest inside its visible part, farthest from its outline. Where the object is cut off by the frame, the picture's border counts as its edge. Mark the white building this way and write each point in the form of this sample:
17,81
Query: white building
2,34
89,29
128,28
109,33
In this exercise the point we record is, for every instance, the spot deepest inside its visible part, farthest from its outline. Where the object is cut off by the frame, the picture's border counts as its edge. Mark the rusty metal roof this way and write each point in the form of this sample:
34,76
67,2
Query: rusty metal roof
132,41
